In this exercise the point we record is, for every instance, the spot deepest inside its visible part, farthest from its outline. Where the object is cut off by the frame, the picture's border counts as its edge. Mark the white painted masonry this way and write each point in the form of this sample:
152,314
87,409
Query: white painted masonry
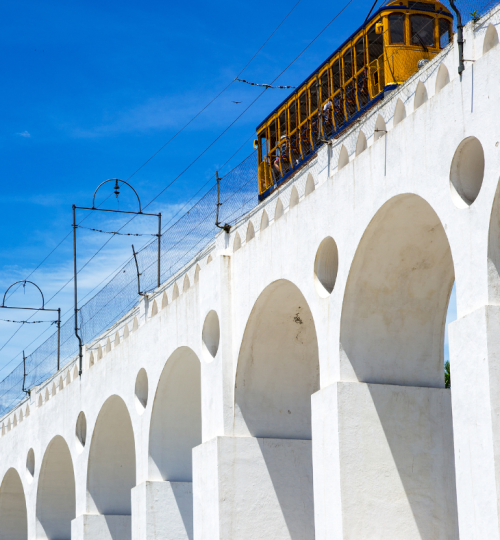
288,384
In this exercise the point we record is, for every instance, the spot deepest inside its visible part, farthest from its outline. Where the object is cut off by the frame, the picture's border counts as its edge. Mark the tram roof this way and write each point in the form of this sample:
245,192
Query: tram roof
383,8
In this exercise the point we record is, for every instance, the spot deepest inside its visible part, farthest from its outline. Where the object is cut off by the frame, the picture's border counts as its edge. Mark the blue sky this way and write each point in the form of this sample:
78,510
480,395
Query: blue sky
92,89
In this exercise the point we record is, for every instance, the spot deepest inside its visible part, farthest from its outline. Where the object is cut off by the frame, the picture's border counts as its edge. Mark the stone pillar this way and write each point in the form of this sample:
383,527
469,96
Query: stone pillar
383,463
248,488
475,362
98,527
162,511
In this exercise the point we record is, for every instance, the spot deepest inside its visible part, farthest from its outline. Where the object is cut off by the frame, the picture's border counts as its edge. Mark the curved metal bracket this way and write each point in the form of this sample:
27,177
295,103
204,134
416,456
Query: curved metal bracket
23,281
116,180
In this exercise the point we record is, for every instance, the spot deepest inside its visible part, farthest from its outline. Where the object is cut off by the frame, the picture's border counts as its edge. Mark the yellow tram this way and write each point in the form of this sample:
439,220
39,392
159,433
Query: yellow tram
382,54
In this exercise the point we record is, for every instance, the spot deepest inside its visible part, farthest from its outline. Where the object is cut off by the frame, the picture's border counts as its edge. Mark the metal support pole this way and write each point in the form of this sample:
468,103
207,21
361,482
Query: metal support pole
58,338
24,375
225,227
159,248
460,38
138,274
80,355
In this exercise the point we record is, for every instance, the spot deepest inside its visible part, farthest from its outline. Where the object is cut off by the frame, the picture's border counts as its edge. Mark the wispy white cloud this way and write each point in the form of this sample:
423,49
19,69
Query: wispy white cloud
25,134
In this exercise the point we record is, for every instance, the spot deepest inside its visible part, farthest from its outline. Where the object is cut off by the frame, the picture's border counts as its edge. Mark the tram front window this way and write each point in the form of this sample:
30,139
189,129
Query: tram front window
397,28
422,30
347,65
444,33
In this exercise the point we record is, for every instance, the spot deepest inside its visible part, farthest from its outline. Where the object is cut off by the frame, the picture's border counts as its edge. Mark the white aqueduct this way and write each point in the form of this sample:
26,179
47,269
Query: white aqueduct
289,383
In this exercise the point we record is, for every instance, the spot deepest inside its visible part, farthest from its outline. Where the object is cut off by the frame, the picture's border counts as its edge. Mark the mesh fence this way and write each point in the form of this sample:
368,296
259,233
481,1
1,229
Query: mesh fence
180,243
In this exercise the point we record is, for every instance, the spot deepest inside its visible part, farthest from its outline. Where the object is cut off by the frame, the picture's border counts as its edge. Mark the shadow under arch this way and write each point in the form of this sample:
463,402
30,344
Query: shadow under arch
391,338
13,513
56,498
277,372
176,418
111,471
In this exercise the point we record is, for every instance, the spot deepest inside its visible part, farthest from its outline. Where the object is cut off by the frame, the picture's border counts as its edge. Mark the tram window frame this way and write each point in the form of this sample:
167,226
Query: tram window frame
262,145
292,116
302,94
273,135
360,53
420,42
348,75
312,93
440,23
376,44
400,17
324,85
336,75
282,123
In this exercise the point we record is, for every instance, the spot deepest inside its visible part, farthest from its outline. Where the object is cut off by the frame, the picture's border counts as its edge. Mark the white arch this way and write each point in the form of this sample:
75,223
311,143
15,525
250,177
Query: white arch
310,186
56,499
176,418
111,469
197,273
164,300
175,292
380,128
442,78
343,158
13,513
250,232
279,211
420,95
186,284
399,113
294,198
264,221
361,144
236,242
490,38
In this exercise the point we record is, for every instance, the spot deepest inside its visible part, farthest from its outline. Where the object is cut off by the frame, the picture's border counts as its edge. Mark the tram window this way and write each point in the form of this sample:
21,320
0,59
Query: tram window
397,27
292,108
313,92
323,80
272,134
262,147
444,33
302,107
375,44
359,47
422,30
347,65
282,119
337,83
421,6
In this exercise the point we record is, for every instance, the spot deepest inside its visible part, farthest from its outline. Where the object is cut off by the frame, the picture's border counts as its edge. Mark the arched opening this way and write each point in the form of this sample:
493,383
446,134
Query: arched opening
176,418
13,514
236,242
326,265
211,335
442,78
250,232
56,500
111,470
294,198
399,113
494,252
310,187
420,95
490,38
279,211
392,339
277,372
361,144
343,158
467,172
380,128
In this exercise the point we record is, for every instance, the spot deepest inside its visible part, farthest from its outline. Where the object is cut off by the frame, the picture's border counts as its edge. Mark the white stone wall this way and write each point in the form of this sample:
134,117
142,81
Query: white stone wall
289,383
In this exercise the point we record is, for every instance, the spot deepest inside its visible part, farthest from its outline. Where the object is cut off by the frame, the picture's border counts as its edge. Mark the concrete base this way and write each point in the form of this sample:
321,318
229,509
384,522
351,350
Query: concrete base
163,511
253,489
97,527
383,463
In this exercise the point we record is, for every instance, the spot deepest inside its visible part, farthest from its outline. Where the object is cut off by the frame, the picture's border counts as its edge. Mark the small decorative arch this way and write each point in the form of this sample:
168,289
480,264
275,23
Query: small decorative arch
54,389
9,426
125,332
197,273
294,198
21,416
68,377
279,210
91,361
380,128
75,373
236,242
264,221
164,300
108,345
490,38
61,383
175,292
47,395
250,232
154,309
135,324
14,423
209,259
420,95
361,144
310,185
99,352
442,78
117,335
399,113
27,411
40,400
343,158
186,284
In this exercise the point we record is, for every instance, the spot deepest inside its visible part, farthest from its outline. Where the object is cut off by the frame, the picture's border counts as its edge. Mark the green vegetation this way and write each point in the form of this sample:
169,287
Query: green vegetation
447,375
